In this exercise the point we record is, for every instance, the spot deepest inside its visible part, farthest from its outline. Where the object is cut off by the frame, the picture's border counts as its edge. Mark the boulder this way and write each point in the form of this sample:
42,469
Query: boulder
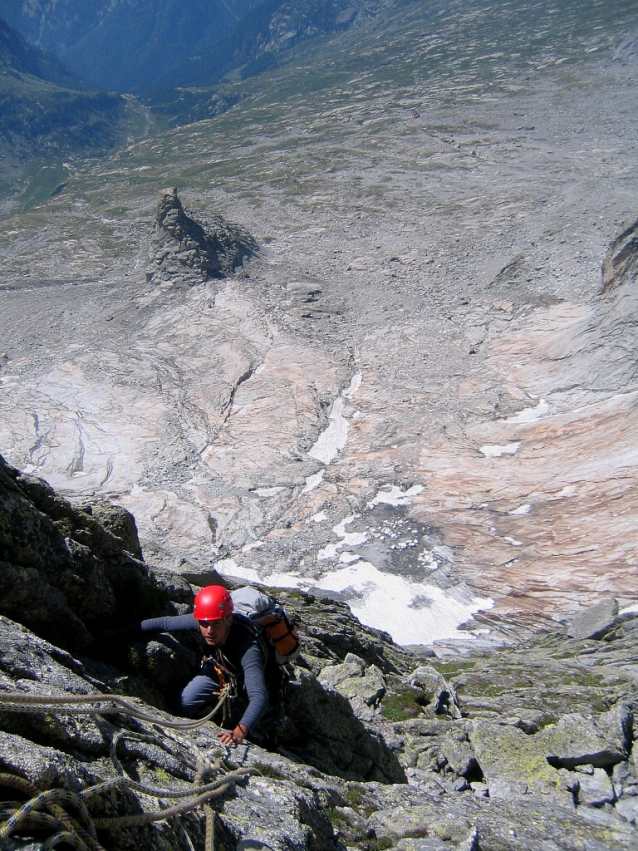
576,740
363,686
512,762
332,738
439,696
595,789
627,809
594,621
621,260
458,752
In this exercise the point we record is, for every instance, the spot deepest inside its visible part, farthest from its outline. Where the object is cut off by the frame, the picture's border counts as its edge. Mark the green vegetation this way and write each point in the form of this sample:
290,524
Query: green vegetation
402,704
355,795
449,669
42,180
336,817
269,771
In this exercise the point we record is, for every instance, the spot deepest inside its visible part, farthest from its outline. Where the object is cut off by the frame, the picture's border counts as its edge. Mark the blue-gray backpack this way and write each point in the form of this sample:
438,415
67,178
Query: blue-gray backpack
269,620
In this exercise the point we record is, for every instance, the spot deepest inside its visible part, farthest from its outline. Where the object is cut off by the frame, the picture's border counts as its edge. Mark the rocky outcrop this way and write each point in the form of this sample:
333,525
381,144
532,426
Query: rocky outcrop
63,573
518,747
183,251
621,260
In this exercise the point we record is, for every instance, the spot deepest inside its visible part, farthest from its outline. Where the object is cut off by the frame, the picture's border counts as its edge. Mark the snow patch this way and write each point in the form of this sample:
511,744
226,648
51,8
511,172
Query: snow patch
266,492
348,558
568,490
331,441
229,567
313,481
254,545
522,509
531,415
395,496
349,539
413,613
498,451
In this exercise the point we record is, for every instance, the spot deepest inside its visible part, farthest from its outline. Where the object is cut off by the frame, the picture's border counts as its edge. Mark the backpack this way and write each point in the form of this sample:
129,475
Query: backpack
268,618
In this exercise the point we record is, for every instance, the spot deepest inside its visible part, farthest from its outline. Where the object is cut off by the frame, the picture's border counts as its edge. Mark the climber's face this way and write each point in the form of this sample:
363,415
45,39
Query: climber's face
215,632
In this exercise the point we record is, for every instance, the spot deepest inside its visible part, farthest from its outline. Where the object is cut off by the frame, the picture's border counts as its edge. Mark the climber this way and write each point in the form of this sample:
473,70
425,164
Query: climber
236,659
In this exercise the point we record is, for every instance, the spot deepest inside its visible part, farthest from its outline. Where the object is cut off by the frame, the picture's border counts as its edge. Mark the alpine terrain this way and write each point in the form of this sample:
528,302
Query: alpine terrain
344,307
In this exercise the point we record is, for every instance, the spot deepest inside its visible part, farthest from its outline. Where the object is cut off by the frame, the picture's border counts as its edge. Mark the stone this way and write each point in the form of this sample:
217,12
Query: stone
62,572
621,260
333,739
624,779
577,740
512,763
627,808
332,675
594,621
471,841
413,844
459,753
596,789
439,696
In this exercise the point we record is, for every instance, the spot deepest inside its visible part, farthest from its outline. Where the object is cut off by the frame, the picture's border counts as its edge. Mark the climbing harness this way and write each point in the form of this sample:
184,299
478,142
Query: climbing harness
48,809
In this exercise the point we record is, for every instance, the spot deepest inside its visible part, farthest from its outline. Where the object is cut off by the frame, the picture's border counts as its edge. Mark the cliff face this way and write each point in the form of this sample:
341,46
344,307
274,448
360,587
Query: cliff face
523,747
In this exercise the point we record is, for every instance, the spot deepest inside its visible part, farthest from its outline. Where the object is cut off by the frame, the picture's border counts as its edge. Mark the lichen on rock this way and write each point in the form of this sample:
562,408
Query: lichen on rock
514,747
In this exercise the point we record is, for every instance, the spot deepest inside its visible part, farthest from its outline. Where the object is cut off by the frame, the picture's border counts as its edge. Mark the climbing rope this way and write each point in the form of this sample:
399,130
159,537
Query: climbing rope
27,815
79,830
21,702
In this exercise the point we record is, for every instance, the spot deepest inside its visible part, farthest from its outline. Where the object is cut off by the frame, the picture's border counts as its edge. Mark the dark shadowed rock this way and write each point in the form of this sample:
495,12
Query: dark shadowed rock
183,251
621,260
61,572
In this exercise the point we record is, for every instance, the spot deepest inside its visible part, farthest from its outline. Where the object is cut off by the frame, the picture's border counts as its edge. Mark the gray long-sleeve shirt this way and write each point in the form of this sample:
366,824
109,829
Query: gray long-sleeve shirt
240,653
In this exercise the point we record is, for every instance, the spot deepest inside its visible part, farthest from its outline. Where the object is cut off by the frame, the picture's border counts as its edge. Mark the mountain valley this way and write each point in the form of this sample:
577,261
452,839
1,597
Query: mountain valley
415,391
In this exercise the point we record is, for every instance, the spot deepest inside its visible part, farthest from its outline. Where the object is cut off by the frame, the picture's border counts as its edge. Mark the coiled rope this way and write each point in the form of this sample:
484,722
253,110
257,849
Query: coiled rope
21,702
79,831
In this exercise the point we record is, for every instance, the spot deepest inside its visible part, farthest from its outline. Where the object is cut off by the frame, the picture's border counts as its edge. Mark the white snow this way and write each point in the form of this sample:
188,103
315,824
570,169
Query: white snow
331,441
313,481
348,539
395,496
266,492
229,567
522,509
531,415
498,451
568,490
383,601
348,558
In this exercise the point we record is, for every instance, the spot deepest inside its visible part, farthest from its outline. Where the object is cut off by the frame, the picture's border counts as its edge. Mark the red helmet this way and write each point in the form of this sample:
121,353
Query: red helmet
213,603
